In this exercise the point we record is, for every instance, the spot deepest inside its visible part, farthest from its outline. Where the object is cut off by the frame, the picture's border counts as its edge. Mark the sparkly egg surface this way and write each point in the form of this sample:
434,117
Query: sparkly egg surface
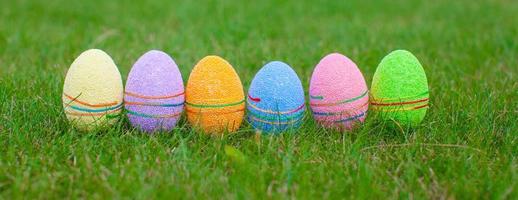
275,99
399,90
215,101
92,91
154,94
338,93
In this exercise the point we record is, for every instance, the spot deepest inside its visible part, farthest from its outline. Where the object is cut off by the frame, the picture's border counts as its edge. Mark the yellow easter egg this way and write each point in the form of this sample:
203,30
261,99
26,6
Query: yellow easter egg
214,97
93,91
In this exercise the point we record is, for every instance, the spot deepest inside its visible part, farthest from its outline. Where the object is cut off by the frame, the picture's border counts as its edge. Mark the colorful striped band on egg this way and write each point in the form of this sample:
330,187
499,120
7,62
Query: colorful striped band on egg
74,99
154,104
397,99
341,112
153,97
202,108
276,117
95,108
152,116
381,104
351,118
92,114
275,122
214,105
401,108
254,99
399,103
277,112
338,102
214,111
316,97
346,119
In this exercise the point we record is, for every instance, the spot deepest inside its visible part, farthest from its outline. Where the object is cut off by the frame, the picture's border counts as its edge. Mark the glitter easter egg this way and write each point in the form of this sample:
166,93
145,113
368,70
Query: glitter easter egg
275,99
154,94
399,89
214,96
338,93
92,92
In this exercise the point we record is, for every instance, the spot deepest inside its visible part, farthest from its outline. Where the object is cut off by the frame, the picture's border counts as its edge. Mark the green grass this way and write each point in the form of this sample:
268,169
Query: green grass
469,50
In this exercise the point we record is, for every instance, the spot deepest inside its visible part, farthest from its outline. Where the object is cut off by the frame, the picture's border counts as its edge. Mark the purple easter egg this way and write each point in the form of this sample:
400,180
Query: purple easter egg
154,95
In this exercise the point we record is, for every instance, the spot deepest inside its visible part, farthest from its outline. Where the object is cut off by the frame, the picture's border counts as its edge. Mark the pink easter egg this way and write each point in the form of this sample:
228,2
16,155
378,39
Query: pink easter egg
339,97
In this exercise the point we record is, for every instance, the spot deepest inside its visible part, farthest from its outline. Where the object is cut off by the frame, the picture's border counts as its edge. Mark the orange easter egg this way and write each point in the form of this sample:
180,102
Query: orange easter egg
214,97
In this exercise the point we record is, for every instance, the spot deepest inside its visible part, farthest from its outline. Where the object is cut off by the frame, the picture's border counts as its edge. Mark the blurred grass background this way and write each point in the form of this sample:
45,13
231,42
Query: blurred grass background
469,50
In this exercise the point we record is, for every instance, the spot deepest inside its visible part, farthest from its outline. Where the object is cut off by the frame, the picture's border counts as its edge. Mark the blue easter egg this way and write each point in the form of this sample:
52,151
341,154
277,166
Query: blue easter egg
276,99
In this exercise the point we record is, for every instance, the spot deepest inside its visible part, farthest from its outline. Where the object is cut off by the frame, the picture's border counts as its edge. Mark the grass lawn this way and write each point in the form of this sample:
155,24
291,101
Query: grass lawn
466,148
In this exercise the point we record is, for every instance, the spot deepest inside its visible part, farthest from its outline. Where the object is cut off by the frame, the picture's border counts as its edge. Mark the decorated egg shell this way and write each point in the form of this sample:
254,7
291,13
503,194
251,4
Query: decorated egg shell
154,94
275,99
399,89
214,96
338,93
92,92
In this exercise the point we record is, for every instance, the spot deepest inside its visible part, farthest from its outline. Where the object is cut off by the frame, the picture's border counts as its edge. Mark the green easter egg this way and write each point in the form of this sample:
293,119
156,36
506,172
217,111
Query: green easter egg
399,90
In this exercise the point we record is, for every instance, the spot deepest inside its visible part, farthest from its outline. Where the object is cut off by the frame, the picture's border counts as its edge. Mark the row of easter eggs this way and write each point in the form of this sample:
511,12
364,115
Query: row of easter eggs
155,97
